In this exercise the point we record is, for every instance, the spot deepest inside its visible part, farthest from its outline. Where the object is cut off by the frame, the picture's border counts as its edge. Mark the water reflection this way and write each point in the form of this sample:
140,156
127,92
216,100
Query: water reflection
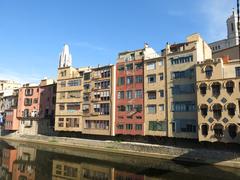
27,162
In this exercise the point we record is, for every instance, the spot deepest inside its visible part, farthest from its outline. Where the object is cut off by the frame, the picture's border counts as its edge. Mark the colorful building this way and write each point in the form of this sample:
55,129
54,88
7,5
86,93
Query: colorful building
218,100
36,107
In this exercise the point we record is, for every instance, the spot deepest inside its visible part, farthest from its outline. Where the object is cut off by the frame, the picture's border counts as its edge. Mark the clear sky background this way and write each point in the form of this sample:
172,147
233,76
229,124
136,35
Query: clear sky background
33,32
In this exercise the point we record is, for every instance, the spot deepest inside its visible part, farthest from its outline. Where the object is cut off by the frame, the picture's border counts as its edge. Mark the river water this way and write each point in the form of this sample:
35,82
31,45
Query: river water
23,161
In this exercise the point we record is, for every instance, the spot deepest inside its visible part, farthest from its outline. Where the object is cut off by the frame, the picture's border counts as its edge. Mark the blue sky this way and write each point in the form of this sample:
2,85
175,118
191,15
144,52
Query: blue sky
33,32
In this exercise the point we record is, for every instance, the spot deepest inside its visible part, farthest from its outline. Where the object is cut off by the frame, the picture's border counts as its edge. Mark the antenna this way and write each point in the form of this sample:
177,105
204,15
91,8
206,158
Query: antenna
238,29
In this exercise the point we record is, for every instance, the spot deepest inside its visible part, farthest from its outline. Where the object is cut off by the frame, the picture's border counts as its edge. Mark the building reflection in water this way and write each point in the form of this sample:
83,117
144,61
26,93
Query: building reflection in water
18,164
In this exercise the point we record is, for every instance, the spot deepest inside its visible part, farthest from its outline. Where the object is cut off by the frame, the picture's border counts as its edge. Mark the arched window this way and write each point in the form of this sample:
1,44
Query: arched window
232,130
208,71
204,129
217,111
231,109
203,88
216,87
204,110
230,87
218,130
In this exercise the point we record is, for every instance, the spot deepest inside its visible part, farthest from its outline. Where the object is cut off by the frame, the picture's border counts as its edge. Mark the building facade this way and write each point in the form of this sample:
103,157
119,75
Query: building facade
180,77
36,107
155,121
85,99
218,100
11,122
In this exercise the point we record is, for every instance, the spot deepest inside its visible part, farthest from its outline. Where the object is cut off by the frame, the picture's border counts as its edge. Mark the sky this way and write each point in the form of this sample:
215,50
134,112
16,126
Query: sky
33,32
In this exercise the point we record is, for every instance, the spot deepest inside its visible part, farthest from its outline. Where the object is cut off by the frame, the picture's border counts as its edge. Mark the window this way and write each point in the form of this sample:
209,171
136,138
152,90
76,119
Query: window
138,117
183,74
161,62
231,109
138,127
237,70
121,108
217,111
208,71
105,73
120,126
180,60
204,110
139,79
232,27
183,89
161,107
232,130
161,76
35,100
152,109
129,95
85,108
218,130
204,129
96,108
216,86
161,92
183,106
138,66
121,68
152,95
151,65
63,83
129,79
138,94
157,126
104,109
185,125
86,86
61,107
28,92
121,81
138,108
73,94
62,95
60,122
129,126
129,67
105,95
151,78
72,122
27,101
87,76
73,106
105,84
75,82
120,94
63,73
96,124
230,87
129,108
203,88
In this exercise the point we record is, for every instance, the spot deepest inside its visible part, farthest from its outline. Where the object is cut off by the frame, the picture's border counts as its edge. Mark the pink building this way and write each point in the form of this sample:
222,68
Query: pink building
8,158
10,108
36,107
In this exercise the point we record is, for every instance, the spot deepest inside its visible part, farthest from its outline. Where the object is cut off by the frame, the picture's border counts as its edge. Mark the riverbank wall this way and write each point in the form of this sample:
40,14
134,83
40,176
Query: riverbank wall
181,154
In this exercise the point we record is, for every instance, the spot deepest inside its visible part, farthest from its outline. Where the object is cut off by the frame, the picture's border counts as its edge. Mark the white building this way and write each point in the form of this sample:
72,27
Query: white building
232,35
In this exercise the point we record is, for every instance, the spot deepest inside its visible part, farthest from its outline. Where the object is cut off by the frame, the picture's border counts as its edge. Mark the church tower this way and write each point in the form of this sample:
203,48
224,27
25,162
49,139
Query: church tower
232,29
65,59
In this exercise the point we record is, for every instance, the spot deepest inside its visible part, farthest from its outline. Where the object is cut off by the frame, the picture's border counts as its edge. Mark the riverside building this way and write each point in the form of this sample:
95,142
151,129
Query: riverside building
85,98
218,87
180,77
130,90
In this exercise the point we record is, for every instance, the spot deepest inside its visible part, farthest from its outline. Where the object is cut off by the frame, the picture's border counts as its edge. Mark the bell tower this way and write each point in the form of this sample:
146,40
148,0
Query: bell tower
232,28
65,59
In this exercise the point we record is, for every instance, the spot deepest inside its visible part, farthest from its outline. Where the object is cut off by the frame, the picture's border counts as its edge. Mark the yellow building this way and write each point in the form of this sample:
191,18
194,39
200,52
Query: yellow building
218,87
85,100
180,85
154,97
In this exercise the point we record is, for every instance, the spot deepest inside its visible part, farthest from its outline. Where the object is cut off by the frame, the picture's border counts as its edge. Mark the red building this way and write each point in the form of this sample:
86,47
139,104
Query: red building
129,93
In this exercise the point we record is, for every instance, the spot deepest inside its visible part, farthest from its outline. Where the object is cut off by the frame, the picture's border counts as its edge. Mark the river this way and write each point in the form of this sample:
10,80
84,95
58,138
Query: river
23,161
